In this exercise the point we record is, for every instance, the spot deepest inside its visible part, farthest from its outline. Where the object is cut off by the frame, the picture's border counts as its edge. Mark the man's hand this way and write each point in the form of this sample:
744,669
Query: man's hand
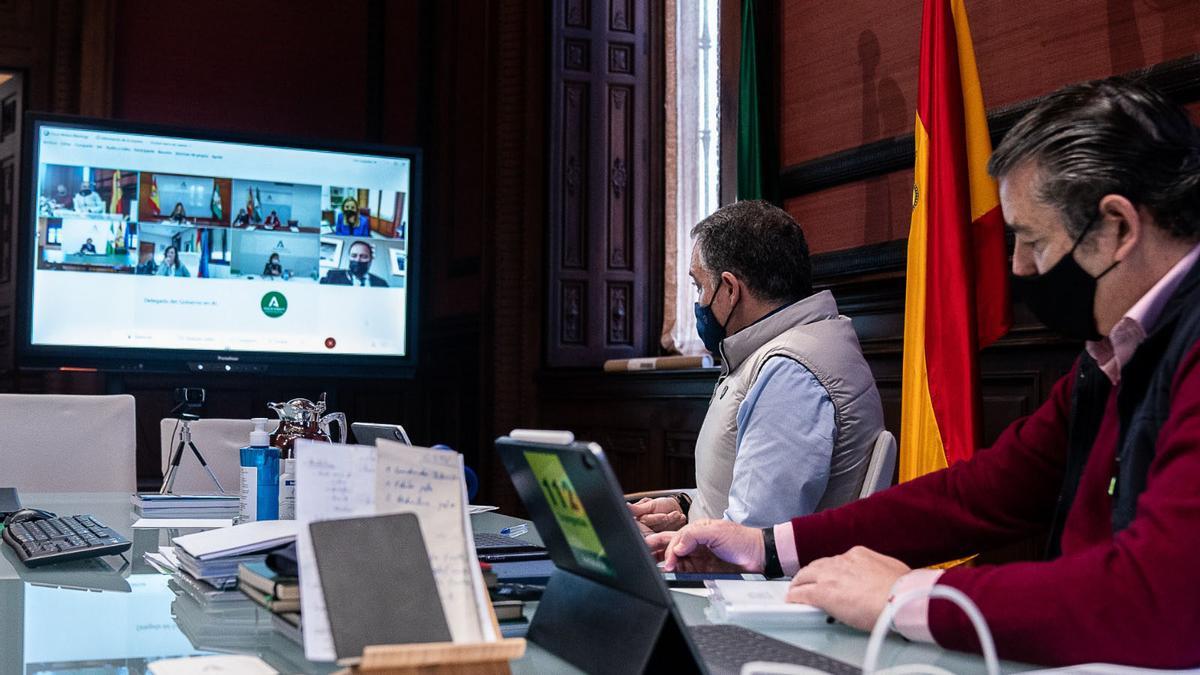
658,514
853,587
712,546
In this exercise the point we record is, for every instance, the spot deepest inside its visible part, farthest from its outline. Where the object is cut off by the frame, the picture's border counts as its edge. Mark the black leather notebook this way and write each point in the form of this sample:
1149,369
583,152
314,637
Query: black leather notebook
379,586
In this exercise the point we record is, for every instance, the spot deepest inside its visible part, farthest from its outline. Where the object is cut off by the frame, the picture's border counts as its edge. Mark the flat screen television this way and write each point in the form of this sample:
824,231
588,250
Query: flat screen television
159,249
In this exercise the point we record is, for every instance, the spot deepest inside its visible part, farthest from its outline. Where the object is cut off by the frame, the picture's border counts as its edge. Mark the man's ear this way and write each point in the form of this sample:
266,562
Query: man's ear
1129,221
735,287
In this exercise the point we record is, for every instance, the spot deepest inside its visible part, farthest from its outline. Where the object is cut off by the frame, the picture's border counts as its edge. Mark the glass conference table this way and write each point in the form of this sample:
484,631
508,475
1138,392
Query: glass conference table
113,615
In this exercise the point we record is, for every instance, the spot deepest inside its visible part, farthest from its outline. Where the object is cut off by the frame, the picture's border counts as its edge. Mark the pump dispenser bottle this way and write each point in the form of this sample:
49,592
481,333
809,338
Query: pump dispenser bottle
260,476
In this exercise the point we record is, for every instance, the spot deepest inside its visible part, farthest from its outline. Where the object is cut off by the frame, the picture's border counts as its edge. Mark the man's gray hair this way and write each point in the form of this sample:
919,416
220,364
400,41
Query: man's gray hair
1110,136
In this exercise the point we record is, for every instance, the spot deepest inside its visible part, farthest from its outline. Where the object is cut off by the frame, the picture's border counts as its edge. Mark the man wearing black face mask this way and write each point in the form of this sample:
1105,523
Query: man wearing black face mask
358,268
1101,185
795,414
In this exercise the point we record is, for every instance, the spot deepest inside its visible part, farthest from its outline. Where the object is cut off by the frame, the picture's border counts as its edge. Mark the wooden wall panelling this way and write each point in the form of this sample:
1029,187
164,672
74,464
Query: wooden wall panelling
98,18
842,64
729,25
646,422
514,256
849,87
1178,78
1016,373
605,155
49,45
11,109
235,65
440,405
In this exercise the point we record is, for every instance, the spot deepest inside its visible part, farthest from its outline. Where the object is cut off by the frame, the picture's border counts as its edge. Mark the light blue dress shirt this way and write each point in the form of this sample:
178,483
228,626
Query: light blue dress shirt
785,439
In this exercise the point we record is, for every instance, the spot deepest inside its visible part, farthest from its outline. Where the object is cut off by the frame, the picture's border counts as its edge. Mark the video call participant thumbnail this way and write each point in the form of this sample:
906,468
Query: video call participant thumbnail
87,200
358,266
171,265
350,222
273,269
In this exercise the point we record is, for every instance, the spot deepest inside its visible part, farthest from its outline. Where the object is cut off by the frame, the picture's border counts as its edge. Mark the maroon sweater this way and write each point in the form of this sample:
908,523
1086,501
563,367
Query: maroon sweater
1132,597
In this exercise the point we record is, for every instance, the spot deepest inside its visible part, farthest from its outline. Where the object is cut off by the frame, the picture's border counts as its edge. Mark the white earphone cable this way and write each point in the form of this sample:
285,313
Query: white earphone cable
884,622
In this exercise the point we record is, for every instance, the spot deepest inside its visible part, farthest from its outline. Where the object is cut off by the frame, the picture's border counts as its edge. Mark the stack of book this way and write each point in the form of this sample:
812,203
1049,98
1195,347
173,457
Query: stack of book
213,556
278,593
510,613
154,505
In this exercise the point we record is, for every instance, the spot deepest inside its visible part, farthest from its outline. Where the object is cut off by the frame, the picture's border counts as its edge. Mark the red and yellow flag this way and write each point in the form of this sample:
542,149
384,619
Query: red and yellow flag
155,207
115,205
957,296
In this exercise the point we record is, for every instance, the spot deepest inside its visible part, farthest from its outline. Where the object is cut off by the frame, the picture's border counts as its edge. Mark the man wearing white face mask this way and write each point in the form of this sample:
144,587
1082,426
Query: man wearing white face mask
794,416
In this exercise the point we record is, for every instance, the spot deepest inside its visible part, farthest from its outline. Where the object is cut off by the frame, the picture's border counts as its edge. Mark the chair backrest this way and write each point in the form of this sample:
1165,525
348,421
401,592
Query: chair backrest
67,443
882,466
219,441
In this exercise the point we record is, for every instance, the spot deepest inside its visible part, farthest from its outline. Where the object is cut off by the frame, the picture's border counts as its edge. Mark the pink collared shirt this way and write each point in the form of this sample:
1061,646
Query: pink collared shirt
1111,353
1114,350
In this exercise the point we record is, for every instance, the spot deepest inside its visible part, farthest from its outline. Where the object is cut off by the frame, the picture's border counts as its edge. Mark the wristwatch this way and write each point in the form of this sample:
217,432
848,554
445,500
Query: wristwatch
772,569
685,502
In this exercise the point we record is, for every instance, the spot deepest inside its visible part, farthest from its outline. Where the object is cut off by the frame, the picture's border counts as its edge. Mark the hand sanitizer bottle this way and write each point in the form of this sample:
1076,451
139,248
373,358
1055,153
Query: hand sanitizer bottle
259,497
287,489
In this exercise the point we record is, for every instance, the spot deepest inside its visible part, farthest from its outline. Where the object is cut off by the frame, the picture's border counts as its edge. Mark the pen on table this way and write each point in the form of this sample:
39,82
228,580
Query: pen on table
514,531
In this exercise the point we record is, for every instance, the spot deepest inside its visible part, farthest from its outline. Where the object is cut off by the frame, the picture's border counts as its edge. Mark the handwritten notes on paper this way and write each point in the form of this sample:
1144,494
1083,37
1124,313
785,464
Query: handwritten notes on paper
346,481
429,483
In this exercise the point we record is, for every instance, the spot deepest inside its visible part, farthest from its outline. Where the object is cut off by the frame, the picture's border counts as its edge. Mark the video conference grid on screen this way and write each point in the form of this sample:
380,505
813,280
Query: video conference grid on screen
161,242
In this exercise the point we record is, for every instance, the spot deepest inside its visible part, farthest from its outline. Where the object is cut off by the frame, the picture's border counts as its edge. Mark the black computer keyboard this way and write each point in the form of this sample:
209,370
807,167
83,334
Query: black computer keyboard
725,649
491,540
41,542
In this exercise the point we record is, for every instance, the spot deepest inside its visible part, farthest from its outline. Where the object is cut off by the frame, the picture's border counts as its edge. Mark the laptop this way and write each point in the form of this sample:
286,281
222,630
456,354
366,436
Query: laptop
606,607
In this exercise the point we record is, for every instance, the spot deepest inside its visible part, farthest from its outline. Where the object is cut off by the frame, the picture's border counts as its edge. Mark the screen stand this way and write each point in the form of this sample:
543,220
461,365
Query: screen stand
603,630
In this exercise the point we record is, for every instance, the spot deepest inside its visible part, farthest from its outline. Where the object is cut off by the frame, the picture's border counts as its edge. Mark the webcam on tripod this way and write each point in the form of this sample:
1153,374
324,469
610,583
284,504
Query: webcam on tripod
188,402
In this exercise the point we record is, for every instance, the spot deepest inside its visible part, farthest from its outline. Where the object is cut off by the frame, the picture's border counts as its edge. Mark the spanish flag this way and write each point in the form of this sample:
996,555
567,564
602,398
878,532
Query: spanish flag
155,207
957,296
115,205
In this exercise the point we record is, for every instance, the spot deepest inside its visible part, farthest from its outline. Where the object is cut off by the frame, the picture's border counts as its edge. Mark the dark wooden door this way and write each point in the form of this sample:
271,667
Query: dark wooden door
605,179
11,109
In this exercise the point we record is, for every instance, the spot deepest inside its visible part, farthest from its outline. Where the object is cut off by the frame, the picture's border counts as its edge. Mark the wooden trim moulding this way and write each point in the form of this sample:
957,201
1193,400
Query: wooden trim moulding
1179,79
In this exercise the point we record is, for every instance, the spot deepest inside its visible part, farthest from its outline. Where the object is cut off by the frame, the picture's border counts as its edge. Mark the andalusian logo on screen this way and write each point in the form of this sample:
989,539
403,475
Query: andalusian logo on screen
274,304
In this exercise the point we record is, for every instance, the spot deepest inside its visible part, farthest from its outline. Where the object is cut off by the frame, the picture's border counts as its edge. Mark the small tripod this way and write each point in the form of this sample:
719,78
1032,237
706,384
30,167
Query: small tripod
185,440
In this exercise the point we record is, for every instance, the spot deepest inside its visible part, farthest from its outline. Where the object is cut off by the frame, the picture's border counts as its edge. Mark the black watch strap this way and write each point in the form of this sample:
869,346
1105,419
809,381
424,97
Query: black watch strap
772,569
685,502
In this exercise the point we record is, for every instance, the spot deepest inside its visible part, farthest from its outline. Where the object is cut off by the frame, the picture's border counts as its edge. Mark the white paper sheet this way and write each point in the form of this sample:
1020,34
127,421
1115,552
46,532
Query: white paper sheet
164,559
181,523
259,535
332,481
212,665
758,602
